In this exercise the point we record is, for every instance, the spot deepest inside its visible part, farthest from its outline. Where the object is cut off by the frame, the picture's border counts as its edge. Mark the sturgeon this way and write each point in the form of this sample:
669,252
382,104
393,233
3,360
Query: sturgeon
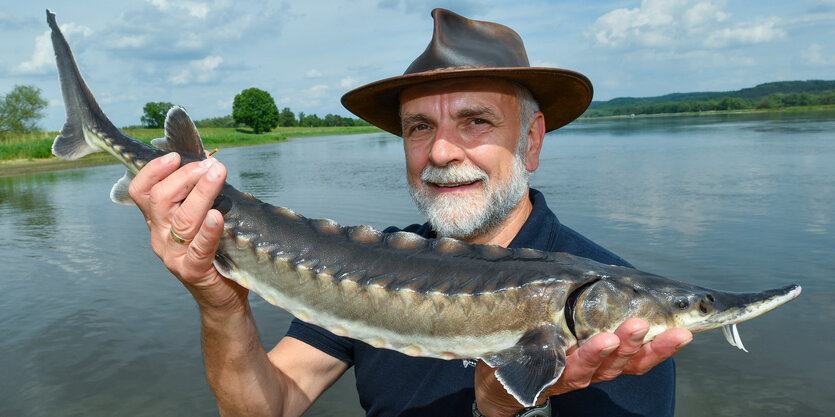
519,310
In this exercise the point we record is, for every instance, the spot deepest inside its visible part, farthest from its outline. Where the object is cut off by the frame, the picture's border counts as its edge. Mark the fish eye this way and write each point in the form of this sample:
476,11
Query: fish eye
681,302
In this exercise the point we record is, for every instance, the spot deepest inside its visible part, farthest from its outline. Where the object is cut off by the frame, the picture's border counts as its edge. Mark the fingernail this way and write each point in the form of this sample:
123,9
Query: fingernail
169,157
638,337
214,172
207,163
608,351
683,344
211,221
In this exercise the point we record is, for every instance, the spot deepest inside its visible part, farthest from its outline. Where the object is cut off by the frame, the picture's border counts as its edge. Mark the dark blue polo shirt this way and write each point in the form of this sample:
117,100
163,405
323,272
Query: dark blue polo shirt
390,383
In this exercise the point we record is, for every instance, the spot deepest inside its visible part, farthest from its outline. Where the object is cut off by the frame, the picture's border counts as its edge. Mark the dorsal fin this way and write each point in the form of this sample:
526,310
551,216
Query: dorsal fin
180,134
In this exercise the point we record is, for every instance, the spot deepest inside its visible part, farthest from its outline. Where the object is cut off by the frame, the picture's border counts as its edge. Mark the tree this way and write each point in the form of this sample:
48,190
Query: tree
21,109
155,112
287,118
311,120
256,109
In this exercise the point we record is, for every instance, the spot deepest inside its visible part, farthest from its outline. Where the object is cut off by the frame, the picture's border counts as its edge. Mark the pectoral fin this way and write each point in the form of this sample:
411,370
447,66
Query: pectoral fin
535,363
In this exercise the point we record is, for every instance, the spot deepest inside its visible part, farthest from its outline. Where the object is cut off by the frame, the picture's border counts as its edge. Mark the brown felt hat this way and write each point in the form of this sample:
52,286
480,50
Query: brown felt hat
464,48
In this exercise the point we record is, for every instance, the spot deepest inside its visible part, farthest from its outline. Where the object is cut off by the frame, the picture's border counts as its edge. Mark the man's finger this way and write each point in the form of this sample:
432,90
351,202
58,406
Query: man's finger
201,252
581,365
190,215
659,349
631,334
176,187
152,173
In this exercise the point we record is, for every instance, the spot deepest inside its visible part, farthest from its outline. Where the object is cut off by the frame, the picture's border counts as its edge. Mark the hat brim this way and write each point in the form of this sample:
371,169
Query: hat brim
563,95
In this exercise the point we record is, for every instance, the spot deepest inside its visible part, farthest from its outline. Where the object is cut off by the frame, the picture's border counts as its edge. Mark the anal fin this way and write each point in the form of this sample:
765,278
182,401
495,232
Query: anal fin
535,363
119,193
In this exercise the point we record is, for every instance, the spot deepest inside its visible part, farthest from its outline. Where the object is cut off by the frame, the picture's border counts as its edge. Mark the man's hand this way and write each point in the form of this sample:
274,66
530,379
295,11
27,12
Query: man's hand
603,357
180,200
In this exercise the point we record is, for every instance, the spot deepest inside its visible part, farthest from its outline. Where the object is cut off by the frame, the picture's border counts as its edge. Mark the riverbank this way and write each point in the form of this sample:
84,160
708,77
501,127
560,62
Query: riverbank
793,109
25,163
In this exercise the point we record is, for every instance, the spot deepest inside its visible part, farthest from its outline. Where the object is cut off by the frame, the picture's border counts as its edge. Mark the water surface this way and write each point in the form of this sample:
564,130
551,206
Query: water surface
93,324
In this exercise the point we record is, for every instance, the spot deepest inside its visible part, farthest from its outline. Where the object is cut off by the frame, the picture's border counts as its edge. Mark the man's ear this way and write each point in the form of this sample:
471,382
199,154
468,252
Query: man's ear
536,134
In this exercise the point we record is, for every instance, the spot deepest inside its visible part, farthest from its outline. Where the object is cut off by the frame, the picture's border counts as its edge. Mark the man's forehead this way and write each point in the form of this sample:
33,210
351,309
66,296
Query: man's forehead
454,86
463,85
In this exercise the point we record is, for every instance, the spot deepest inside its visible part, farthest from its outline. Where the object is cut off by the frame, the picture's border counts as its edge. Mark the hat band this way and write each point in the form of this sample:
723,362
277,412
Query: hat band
449,69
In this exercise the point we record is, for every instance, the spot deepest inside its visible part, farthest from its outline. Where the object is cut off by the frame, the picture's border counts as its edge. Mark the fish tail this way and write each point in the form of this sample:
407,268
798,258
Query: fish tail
82,109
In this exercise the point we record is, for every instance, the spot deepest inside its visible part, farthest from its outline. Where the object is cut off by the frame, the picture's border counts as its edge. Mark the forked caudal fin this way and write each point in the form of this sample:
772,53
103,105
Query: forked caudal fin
88,129
82,109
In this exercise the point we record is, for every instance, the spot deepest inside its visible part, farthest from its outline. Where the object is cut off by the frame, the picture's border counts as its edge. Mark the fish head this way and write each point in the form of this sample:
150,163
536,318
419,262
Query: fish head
603,304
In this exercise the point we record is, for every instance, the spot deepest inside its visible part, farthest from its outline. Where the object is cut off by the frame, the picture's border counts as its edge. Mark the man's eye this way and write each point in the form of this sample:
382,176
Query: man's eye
478,121
422,126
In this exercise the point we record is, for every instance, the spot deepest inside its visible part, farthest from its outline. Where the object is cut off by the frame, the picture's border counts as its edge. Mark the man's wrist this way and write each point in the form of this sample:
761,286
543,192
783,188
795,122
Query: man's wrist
543,410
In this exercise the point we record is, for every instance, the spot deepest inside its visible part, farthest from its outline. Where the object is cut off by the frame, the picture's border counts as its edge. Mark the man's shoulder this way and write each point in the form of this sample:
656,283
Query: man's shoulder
544,231
570,241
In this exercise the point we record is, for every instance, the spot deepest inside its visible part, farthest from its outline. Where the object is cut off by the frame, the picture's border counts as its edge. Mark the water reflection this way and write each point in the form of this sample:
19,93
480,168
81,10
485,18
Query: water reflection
23,199
92,323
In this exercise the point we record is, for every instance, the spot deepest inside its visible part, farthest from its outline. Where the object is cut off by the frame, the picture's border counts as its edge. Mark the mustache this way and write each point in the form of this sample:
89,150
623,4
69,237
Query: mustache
454,174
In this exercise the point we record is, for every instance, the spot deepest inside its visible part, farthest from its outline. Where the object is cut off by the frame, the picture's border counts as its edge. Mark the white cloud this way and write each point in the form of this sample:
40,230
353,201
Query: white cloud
313,73
43,57
317,90
349,82
129,41
814,54
172,30
671,24
198,10
201,71
750,33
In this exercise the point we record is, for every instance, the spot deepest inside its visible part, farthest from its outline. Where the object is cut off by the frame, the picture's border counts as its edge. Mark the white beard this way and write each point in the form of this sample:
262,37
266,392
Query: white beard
473,214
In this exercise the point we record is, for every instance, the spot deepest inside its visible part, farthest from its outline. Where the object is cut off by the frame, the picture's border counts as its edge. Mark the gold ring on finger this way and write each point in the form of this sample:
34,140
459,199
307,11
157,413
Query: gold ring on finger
177,238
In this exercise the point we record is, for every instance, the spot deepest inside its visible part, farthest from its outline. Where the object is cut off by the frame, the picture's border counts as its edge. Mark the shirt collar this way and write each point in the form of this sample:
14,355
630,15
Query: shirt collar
540,229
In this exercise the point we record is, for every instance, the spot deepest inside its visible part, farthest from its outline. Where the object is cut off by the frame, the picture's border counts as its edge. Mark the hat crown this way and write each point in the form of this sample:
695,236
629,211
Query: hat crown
461,42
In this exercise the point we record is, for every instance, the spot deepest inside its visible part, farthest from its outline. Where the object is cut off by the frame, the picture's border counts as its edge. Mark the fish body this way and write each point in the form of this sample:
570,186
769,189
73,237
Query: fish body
519,310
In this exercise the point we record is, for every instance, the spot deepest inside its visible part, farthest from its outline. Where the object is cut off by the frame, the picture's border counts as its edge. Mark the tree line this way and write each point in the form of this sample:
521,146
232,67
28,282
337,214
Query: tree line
253,108
773,101
772,95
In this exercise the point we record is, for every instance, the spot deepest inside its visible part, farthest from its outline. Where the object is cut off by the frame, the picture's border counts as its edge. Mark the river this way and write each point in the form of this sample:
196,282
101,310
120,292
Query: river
92,323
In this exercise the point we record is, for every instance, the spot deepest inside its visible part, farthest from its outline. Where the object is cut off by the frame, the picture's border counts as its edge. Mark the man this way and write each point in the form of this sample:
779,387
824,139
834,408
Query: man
473,115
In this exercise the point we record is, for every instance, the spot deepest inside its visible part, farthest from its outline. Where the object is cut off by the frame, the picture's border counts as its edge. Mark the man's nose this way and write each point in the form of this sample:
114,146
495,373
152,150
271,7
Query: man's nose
446,148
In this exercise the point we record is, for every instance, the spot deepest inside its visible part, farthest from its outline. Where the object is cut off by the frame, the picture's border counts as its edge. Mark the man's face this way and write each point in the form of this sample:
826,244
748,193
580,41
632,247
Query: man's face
460,139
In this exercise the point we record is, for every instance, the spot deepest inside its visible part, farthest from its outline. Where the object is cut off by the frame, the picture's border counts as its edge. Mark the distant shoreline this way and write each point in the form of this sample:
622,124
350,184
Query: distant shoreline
794,109
10,168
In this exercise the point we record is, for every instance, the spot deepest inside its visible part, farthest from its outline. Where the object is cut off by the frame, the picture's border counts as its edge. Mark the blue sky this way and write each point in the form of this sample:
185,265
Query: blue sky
308,53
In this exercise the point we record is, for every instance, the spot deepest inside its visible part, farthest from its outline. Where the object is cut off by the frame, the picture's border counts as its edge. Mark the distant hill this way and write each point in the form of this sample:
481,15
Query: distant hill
768,95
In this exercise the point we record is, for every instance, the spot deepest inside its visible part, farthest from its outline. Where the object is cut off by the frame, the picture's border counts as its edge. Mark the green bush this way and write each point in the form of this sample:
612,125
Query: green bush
255,108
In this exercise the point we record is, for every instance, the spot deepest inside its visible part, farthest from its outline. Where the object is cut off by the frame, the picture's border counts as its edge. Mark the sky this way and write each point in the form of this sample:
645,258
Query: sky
306,54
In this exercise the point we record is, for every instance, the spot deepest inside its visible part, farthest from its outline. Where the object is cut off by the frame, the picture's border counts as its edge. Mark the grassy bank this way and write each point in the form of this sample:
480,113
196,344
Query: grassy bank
32,152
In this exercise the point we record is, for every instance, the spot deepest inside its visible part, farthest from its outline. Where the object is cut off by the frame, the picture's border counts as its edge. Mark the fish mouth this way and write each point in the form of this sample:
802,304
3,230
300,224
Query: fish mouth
742,307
